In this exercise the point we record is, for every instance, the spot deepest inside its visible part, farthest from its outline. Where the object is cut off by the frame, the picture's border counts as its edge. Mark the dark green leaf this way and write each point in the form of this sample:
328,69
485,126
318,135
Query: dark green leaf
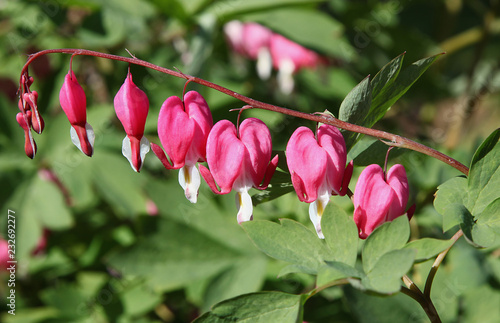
392,91
387,237
341,234
386,76
291,242
355,107
428,247
257,307
484,176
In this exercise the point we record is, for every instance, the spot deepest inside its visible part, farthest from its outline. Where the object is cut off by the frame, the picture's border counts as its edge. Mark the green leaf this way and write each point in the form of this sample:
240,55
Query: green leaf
334,270
118,184
385,276
486,231
428,247
387,237
257,307
280,184
394,89
481,305
246,275
355,107
291,242
166,260
46,202
484,176
68,299
386,76
341,234
449,196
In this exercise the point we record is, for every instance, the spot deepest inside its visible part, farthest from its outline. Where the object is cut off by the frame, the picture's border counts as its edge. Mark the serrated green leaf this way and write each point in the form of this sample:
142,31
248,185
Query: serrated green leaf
466,222
355,107
450,193
428,247
387,237
341,234
385,276
260,307
484,175
165,258
291,242
486,230
280,184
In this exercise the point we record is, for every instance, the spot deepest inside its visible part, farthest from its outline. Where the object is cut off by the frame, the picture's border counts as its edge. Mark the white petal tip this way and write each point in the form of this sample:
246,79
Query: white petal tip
190,180
127,151
90,136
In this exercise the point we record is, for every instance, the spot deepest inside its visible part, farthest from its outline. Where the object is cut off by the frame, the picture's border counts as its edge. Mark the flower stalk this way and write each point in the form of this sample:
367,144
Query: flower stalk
388,138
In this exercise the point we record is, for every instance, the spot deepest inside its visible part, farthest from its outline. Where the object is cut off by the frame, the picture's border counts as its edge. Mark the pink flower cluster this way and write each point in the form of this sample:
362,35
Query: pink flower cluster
270,49
238,157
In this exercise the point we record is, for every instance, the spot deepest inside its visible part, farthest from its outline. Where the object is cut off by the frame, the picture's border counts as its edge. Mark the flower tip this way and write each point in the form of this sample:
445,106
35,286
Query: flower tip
83,138
135,151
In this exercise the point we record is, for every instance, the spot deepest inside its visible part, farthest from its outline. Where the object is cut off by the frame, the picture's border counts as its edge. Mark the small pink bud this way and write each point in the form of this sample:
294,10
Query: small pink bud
318,169
379,198
74,104
132,107
29,142
239,160
37,122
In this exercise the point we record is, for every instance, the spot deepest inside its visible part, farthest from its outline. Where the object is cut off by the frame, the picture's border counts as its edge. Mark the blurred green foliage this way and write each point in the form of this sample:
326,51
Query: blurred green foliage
108,260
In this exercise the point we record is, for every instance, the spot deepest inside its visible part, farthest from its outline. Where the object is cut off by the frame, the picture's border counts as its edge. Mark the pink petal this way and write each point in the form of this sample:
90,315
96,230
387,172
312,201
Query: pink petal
332,141
255,37
225,155
372,199
197,109
175,130
73,100
397,179
132,107
282,48
307,164
256,137
161,156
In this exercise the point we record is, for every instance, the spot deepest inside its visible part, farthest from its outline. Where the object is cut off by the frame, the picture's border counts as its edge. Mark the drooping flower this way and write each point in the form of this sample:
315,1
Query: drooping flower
288,57
132,107
380,198
74,104
183,128
238,160
251,40
318,168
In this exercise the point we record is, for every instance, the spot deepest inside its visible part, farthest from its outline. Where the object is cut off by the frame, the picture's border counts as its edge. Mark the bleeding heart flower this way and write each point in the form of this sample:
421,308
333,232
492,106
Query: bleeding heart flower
239,160
318,168
183,128
379,198
251,40
132,107
74,105
288,57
